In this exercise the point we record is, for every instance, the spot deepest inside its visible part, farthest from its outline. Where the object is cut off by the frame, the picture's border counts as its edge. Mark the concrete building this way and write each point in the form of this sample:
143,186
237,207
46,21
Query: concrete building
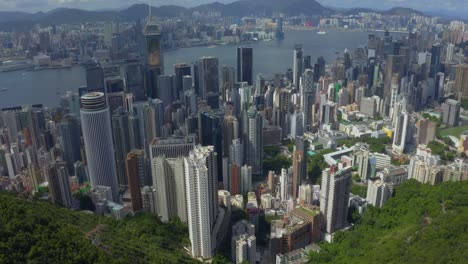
298,65
201,181
461,80
243,242
169,182
121,139
425,167
456,171
451,109
308,98
426,130
208,77
401,133
299,165
59,184
378,192
300,230
254,141
334,198
136,173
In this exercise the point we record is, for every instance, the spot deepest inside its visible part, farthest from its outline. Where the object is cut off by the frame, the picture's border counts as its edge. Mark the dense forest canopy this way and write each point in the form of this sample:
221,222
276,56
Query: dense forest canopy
39,232
421,224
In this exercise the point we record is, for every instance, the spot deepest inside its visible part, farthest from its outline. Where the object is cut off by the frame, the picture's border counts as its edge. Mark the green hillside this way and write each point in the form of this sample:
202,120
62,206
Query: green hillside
421,224
38,232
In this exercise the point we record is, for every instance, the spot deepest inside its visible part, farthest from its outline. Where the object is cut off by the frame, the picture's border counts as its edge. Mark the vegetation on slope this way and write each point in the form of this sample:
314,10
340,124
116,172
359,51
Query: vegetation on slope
38,232
421,224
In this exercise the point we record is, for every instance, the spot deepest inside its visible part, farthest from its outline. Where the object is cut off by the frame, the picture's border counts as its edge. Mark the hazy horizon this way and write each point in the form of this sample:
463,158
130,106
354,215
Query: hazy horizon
451,8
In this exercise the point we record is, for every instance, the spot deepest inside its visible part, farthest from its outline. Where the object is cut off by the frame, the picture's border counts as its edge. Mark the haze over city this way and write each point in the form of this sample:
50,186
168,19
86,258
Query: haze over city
449,8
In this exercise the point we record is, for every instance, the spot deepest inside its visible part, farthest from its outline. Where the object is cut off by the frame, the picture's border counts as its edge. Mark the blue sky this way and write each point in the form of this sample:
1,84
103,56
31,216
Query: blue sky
455,7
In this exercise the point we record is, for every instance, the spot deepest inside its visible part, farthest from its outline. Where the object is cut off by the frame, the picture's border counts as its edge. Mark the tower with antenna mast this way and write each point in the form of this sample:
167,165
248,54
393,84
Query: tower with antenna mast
153,54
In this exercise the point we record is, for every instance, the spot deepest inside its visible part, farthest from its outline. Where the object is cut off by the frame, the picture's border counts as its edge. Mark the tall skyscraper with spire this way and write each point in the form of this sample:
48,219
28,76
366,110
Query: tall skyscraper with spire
97,135
153,54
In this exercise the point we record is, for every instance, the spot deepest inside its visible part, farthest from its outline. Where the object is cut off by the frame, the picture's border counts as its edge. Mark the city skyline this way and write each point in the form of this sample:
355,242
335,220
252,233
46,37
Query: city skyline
222,137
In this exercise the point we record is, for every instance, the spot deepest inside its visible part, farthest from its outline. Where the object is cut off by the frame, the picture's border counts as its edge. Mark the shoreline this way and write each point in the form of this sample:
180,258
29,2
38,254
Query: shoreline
342,29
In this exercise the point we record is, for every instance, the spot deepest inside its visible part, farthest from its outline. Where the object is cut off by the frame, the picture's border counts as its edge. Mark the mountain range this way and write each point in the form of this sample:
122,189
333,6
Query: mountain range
10,20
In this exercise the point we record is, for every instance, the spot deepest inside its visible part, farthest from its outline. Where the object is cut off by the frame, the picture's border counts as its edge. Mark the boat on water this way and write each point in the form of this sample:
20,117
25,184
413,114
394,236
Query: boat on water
321,32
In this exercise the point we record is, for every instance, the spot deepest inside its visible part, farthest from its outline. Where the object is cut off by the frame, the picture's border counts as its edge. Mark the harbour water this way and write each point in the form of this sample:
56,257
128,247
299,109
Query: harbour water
46,87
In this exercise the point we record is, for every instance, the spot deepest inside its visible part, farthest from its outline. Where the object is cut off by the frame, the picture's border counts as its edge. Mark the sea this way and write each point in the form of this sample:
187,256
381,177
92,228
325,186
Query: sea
47,86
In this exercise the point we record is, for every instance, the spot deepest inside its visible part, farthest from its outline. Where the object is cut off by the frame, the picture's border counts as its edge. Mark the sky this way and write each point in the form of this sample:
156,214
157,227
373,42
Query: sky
445,7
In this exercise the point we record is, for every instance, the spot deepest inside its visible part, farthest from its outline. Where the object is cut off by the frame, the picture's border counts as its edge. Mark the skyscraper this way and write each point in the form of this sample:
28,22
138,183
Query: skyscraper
308,98
231,132
228,80
169,182
136,172
134,81
121,138
245,65
210,133
154,57
71,141
395,64
298,67
165,88
181,70
254,141
208,76
401,133
435,60
59,184
461,80
451,109
97,135
202,199
299,165
334,197
94,78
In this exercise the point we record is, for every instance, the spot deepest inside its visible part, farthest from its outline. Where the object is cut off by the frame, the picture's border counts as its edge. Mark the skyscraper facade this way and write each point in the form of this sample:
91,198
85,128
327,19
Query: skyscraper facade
298,65
202,199
308,98
334,197
70,134
180,70
245,65
208,76
121,138
136,172
254,141
97,135
59,184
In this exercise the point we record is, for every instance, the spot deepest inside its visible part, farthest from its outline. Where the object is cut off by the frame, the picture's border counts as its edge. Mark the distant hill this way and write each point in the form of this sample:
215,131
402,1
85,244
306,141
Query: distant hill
6,16
242,8
247,7
402,11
